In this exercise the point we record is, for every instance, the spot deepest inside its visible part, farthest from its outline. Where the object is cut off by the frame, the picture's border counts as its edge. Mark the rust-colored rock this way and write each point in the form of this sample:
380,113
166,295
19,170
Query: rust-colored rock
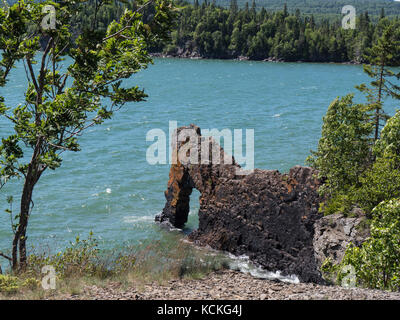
266,215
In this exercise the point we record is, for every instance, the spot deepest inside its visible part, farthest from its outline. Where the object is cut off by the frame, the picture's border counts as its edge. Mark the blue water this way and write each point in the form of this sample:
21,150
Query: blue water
110,188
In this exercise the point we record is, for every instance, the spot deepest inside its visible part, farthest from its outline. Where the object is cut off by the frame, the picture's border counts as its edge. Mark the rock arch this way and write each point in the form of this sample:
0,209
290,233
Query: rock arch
266,215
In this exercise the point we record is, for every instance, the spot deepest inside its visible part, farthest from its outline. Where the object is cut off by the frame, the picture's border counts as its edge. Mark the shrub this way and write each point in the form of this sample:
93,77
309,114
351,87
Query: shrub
153,260
341,202
80,258
83,260
377,261
9,284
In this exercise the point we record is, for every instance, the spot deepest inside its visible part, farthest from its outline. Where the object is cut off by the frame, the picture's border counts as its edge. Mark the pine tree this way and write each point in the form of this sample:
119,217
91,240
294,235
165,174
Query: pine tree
285,11
253,8
381,56
234,6
382,13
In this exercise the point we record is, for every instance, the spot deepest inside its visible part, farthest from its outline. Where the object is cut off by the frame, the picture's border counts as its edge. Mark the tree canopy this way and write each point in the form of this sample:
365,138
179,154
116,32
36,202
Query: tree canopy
61,104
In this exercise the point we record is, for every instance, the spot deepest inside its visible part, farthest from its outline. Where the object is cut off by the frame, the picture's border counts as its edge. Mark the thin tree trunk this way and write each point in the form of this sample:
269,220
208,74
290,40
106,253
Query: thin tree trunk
377,118
378,108
19,243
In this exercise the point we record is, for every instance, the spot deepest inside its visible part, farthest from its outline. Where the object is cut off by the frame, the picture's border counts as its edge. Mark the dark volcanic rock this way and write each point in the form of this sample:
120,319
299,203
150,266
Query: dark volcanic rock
266,215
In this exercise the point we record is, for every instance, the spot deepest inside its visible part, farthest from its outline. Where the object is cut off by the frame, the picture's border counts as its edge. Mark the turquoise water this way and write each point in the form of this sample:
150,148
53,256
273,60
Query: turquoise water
110,188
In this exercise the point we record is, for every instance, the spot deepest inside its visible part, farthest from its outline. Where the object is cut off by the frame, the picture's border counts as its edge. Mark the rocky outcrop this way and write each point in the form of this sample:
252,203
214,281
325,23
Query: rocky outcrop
334,233
266,215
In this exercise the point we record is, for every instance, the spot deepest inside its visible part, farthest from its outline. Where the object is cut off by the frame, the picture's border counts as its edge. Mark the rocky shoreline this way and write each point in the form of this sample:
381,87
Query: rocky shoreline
228,285
197,56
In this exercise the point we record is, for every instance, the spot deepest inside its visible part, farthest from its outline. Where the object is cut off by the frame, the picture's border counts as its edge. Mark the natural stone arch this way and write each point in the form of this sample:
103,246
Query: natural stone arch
183,177
266,215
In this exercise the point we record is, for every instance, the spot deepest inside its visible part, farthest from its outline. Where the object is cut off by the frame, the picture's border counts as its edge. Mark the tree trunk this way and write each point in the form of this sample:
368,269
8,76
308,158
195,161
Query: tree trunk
19,243
378,108
377,118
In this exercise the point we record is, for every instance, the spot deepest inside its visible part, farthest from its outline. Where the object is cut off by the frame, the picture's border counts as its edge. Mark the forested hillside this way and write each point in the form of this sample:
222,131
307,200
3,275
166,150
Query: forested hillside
249,30
373,7
214,32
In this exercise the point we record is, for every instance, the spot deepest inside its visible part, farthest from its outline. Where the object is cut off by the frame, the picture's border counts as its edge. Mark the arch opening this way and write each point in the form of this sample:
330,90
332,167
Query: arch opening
193,216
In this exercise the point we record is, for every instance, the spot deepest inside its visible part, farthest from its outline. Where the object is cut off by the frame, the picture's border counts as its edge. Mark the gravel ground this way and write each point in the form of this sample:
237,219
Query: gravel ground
230,284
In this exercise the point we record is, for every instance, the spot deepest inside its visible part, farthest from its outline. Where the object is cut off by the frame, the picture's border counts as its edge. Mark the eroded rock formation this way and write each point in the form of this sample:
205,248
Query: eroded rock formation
266,215
335,232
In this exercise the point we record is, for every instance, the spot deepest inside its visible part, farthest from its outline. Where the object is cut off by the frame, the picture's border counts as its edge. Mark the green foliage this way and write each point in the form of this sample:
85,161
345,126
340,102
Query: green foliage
385,53
340,202
329,270
358,167
61,104
377,261
388,146
382,181
379,183
216,32
344,149
10,284
321,6
226,30
81,258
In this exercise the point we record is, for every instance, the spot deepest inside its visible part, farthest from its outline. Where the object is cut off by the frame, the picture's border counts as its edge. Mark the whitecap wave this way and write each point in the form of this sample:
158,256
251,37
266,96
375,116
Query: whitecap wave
243,264
309,88
136,219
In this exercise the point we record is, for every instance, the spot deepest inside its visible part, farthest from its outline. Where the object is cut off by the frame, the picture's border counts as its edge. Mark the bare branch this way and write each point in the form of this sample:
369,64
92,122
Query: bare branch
32,73
4,256
58,146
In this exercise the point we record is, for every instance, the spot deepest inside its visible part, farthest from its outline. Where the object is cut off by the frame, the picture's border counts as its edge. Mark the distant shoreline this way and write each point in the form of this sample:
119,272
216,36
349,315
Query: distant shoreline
244,58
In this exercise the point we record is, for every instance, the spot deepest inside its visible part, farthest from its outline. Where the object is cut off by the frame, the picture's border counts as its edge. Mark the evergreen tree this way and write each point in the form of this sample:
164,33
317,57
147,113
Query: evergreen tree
285,10
344,149
382,55
234,6
382,15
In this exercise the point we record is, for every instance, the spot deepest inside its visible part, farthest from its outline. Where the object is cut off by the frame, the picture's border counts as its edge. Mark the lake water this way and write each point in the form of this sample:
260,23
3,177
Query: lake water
110,188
